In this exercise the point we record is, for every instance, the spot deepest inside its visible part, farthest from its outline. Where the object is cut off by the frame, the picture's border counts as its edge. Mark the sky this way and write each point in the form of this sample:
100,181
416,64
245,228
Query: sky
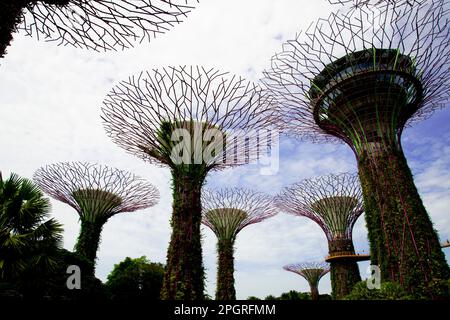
50,100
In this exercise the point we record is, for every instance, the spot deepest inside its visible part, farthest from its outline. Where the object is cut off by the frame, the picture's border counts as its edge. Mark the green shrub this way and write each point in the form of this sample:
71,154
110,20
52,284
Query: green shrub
387,291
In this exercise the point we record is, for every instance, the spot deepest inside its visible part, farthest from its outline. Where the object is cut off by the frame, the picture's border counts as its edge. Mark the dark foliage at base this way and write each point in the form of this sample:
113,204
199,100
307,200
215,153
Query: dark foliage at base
402,239
292,295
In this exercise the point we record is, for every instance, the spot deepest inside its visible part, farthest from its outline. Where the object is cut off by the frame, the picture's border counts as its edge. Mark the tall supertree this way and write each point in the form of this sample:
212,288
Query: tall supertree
226,212
92,24
360,77
97,193
334,202
312,272
192,120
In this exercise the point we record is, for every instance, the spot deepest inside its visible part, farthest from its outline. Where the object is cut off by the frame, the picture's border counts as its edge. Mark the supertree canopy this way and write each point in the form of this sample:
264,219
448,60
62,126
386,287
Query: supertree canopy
192,120
92,24
312,272
334,202
360,77
226,212
96,193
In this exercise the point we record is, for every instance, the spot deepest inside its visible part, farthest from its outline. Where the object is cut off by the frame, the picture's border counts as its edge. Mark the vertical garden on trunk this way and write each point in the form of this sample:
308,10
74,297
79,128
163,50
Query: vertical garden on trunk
97,193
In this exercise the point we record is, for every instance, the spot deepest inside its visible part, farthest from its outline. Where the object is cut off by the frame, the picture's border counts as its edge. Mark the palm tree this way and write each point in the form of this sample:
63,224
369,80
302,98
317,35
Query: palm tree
29,241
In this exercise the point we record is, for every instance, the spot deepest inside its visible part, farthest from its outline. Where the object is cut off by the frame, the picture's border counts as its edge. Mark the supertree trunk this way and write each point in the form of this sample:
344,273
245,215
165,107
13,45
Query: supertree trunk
225,271
11,13
344,272
394,72
314,292
88,241
403,241
184,274
96,193
312,272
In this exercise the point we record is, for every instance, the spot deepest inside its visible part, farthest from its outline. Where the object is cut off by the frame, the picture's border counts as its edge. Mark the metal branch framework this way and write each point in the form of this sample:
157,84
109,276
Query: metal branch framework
142,113
94,190
312,272
96,193
333,201
102,24
227,211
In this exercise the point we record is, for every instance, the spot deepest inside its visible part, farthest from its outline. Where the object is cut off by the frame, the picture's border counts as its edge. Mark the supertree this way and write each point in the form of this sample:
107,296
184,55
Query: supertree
312,272
92,24
192,120
97,193
334,202
226,212
360,78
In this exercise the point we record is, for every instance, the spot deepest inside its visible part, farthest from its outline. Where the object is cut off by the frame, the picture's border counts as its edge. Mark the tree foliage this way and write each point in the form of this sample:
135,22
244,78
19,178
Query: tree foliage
387,291
135,279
